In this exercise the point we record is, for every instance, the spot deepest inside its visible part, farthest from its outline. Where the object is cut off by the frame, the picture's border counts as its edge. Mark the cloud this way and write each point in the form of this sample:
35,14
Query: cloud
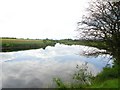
0,74
40,18
36,68
35,74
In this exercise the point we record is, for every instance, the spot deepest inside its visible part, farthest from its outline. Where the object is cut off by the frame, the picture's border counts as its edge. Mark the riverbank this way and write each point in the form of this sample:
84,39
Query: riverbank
93,43
9,45
108,78
13,44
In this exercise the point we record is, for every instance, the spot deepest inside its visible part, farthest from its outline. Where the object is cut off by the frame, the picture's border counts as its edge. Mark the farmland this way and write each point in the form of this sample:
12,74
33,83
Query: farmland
14,44
24,44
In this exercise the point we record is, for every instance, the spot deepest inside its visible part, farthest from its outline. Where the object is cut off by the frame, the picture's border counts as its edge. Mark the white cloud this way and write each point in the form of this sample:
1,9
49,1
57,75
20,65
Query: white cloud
21,74
0,74
37,67
40,18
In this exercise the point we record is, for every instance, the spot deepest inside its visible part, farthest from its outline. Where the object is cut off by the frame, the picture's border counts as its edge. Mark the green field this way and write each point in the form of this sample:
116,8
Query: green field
108,78
93,43
24,44
13,44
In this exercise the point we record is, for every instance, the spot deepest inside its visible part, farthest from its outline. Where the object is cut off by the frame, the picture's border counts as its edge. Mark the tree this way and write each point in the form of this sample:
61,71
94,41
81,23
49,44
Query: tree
103,22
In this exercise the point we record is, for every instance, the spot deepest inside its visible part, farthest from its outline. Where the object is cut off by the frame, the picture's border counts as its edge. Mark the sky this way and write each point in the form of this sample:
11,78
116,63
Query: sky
40,19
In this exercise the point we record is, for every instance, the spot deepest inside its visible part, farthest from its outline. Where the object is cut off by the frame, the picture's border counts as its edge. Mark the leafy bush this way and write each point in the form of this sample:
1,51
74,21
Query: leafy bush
108,73
81,78
59,83
82,75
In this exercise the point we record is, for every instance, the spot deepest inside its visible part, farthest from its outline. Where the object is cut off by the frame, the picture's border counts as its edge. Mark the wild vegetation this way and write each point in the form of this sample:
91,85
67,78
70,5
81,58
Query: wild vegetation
101,29
10,44
102,23
108,78
93,43
15,44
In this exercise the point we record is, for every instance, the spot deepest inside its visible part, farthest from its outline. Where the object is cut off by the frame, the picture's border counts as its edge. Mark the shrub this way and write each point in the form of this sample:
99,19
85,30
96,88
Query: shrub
108,73
81,78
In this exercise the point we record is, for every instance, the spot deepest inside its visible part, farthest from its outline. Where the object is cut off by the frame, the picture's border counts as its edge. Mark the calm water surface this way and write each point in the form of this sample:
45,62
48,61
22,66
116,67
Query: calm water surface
36,68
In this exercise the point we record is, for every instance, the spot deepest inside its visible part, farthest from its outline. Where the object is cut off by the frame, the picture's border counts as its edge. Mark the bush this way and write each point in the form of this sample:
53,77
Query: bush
108,73
81,78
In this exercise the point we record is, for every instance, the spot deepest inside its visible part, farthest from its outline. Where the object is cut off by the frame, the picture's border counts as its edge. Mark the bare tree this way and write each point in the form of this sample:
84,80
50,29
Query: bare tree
103,22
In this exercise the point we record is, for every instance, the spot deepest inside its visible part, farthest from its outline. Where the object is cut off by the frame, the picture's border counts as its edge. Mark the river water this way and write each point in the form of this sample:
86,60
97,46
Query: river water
36,68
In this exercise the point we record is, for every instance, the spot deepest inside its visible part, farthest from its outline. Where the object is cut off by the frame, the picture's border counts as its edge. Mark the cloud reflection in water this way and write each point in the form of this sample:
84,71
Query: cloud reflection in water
36,68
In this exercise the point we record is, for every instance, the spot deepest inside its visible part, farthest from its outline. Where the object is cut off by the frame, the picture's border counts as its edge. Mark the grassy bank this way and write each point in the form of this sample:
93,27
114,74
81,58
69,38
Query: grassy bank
14,44
93,43
24,44
108,78
113,83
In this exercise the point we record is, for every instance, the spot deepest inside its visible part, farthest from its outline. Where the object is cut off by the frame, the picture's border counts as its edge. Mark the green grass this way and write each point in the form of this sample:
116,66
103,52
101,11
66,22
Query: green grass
13,44
24,44
93,43
113,83
108,78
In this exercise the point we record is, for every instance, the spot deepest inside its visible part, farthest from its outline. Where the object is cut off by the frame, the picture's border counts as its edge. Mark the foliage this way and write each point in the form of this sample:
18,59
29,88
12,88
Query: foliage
24,44
9,44
81,78
103,22
110,83
107,73
59,83
107,78
94,43
82,75
8,38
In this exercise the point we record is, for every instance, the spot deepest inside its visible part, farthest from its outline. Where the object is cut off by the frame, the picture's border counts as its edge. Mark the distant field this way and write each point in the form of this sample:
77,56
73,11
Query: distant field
24,44
13,44
93,43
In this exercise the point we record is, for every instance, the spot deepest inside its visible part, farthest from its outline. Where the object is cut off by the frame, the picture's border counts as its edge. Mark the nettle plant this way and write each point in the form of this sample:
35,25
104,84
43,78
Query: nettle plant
81,78
82,75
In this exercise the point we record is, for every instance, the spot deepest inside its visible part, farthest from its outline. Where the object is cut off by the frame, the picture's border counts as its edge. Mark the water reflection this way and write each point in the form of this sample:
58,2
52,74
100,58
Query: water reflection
0,74
37,68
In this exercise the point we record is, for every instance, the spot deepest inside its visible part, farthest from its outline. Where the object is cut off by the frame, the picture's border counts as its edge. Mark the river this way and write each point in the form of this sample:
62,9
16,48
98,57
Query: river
36,68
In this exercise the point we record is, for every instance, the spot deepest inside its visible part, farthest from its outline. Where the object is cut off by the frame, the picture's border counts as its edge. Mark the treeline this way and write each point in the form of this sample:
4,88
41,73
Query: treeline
15,44
9,45
8,37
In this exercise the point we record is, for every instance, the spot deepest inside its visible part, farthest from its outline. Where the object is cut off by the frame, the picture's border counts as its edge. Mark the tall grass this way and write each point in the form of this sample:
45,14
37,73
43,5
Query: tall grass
81,78
24,44
13,44
108,78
